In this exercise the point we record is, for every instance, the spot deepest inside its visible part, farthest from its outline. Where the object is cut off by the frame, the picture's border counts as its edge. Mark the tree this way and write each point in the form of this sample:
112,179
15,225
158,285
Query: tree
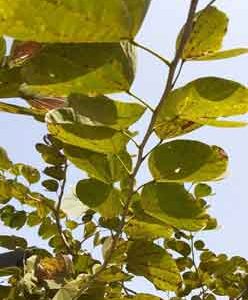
67,76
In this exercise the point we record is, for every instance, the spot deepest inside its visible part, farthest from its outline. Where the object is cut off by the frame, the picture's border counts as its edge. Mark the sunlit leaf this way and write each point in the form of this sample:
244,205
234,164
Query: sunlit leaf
93,69
172,204
224,54
187,161
5,162
104,111
100,197
208,32
50,21
202,102
153,262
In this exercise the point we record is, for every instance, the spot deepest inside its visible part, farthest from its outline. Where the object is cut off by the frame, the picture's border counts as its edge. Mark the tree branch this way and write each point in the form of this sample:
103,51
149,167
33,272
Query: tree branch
168,87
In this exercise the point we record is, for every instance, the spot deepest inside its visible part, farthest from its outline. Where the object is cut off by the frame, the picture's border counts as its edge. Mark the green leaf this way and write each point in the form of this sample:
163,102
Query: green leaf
202,190
98,139
224,54
8,272
100,197
50,21
12,242
208,32
179,246
5,162
142,225
31,174
92,69
106,168
50,154
2,48
51,185
201,102
5,190
113,274
10,82
187,161
47,229
172,204
104,111
154,263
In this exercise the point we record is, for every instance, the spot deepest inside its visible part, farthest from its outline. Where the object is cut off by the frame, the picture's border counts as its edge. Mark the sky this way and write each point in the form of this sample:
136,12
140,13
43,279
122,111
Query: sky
230,204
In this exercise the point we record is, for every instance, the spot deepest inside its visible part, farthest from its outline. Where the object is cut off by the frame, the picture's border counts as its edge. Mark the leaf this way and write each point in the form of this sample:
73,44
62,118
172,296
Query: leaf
172,204
113,274
2,48
10,82
154,263
187,161
224,54
208,32
202,190
5,162
201,102
142,225
12,242
31,174
100,197
98,139
92,69
106,168
104,111
50,21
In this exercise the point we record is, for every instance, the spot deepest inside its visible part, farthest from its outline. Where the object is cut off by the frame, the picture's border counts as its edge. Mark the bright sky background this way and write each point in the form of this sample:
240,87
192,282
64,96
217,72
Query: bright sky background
230,205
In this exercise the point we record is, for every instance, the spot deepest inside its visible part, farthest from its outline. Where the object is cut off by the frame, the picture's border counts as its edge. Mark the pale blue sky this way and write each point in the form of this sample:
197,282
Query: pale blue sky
230,205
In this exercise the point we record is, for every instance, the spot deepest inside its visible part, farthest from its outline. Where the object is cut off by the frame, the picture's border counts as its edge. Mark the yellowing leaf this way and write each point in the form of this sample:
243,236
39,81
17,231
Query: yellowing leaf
224,54
208,32
154,263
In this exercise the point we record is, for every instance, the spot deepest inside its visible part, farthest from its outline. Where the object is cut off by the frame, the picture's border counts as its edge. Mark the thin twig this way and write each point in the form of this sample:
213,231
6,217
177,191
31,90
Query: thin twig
149,152
164,60
210,3
57,213
131,138
140,100
179,73
194,264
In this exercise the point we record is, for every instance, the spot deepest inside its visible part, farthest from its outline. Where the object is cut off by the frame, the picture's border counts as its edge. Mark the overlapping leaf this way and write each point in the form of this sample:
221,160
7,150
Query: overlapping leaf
106,168
153,262
100,197
202,102
53,21
59,70
187,161
172,204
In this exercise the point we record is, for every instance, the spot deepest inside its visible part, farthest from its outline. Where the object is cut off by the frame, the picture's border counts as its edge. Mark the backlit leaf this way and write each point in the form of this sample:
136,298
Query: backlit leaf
172,204
5,162
202,102
50,21
187,161
208,32
93,69
153,262
100,197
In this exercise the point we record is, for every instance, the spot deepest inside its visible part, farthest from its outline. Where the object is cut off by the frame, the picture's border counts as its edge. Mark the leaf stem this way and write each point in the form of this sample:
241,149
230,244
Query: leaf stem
140,100
164,60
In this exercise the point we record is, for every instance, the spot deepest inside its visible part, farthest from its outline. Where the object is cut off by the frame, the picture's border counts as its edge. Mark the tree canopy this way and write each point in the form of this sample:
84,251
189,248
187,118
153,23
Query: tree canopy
67,60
